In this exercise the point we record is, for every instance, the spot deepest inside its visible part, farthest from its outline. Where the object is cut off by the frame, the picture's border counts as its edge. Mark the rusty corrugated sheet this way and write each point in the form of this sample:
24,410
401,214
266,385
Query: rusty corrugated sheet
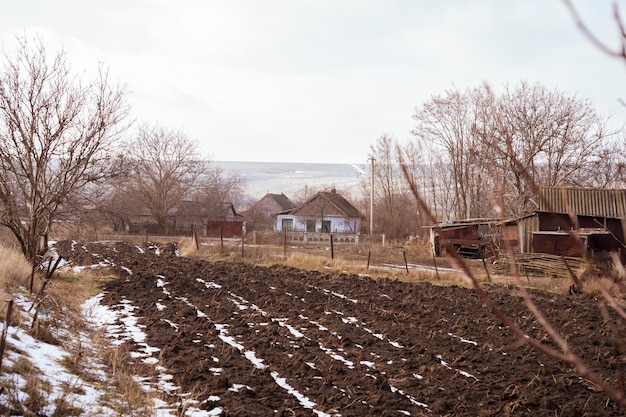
584,201
527,225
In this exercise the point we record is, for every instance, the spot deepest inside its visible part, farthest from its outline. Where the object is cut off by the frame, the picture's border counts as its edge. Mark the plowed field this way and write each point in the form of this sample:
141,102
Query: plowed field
278,341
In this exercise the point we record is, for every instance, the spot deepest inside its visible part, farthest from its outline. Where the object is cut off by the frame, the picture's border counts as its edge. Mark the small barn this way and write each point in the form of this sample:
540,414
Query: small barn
325,212
581,222
475,238
225,222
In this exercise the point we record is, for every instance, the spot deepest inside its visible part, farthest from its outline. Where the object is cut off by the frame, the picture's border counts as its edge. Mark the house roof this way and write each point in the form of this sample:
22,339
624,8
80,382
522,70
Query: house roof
599,202
327,203
189,208
226,209
195,208
282,200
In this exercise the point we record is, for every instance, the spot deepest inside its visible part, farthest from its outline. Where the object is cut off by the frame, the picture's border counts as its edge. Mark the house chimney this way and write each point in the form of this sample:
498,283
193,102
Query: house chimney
333,190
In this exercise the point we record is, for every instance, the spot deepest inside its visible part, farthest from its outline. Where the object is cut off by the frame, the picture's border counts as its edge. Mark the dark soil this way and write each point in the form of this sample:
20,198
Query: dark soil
351,345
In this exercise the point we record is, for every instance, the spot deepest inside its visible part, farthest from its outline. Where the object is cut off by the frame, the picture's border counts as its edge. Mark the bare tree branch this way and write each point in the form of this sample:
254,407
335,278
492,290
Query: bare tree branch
618,53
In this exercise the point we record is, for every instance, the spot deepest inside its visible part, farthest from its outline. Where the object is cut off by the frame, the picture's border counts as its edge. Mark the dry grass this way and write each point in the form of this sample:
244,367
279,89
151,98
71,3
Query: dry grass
320,260
71,289
14,269
187,247
134,400
352,259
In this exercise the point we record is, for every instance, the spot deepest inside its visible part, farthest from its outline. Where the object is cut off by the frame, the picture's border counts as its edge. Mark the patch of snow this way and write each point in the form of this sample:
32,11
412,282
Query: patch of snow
209,284
463,340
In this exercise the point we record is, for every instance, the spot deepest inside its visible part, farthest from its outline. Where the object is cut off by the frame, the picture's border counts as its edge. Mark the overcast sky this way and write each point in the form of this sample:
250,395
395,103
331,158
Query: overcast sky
318,80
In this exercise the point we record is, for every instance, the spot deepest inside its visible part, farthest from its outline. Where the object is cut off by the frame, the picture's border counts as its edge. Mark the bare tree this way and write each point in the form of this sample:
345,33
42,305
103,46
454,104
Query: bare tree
541,136
447,126
395,213
527,135
56,135
385,185
217,186
300,196
609,165
165,166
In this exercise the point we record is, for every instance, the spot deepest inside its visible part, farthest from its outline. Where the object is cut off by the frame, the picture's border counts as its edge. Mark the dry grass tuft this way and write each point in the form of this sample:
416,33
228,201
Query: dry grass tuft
187,247
14,269
22,366
70,289
118,361
65,408
312,261
38,393
43,331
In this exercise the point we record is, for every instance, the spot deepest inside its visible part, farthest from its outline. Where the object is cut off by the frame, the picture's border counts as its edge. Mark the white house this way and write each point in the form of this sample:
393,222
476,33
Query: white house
325,212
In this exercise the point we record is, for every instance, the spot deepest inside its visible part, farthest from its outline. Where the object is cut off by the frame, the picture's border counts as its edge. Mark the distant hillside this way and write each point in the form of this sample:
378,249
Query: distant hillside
290,178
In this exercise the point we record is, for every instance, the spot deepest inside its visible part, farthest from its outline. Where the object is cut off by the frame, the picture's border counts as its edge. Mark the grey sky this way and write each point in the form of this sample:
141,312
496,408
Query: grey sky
318,80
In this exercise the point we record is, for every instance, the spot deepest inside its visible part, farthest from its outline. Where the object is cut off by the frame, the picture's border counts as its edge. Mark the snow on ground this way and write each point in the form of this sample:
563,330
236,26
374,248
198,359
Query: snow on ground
47,360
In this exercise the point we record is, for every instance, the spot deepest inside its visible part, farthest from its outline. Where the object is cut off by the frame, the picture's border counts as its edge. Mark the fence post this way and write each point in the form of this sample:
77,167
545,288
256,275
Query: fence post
284,243
243,242
435,262
5,329
332,247
406,264
369,254
482,256
221,239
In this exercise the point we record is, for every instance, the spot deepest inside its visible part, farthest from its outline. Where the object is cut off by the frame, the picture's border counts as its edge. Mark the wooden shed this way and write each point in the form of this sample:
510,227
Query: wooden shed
581,222
225,223
475,238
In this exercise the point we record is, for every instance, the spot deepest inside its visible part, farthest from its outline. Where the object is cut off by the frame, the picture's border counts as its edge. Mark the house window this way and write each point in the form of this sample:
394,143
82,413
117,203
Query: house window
310,225
325,226
287,224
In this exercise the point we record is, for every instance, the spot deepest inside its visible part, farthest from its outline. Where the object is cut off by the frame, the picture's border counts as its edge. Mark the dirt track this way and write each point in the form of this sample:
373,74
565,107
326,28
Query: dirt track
259,341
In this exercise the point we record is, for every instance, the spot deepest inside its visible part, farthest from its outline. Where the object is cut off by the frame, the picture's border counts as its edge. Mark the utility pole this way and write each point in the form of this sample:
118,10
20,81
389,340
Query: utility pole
372,198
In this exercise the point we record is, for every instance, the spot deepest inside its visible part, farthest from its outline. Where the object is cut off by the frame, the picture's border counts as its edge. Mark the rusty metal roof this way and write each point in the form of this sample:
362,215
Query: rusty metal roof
599,202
